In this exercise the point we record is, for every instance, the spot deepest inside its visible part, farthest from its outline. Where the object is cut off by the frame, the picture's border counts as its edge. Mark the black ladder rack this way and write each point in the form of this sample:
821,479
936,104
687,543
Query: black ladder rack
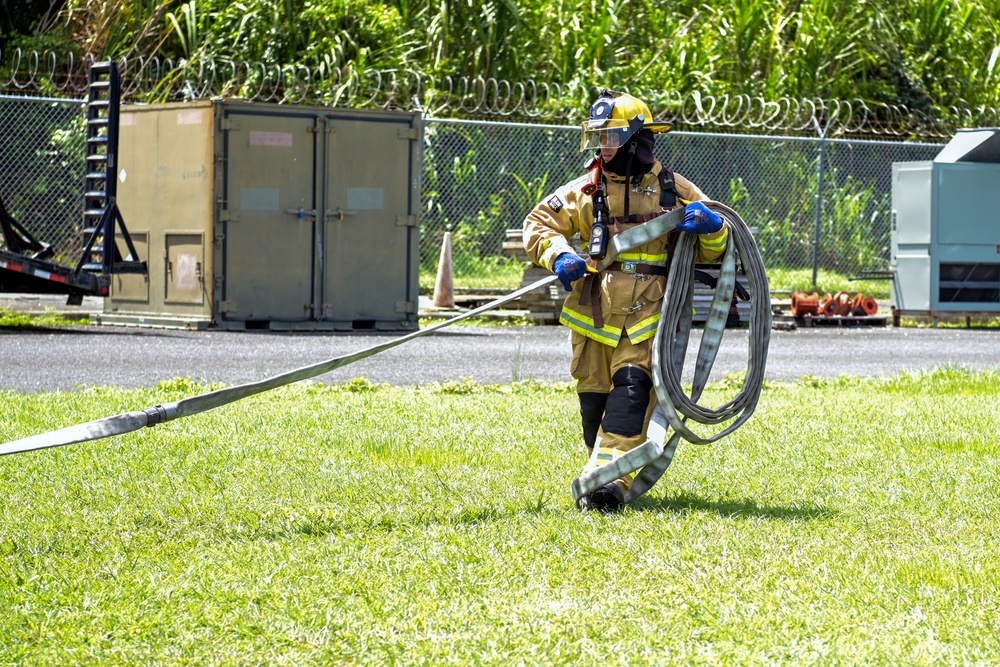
101,216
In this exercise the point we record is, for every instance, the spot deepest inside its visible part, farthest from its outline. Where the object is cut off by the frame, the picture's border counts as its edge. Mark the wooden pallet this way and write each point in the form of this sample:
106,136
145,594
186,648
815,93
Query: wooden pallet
786,321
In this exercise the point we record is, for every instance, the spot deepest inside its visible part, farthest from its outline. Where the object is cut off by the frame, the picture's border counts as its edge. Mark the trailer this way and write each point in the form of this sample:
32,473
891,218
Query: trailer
27,264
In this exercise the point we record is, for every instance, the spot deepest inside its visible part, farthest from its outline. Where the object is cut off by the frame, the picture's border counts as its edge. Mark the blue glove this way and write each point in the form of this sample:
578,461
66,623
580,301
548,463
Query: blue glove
699,219
569,267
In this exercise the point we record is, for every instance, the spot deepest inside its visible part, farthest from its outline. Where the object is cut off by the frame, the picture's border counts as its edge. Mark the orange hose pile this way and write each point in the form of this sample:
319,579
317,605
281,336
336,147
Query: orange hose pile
841,303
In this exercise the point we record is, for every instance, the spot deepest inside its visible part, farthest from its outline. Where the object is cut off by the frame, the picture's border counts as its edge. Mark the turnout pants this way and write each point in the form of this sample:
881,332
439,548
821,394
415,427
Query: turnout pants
615,386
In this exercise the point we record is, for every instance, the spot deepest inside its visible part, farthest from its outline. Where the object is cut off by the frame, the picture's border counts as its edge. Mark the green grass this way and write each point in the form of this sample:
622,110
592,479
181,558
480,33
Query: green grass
12,319
497,274
501,319
826,282
850,522
945,321
508,276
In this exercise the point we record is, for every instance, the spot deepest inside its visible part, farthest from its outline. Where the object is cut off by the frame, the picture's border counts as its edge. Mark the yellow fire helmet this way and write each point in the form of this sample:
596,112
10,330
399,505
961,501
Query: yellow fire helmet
614,118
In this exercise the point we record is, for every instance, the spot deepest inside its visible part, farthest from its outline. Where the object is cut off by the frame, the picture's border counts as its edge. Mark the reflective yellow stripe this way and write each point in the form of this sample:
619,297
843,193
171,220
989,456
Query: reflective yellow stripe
715,244
645,258
585,325
607,455
643,330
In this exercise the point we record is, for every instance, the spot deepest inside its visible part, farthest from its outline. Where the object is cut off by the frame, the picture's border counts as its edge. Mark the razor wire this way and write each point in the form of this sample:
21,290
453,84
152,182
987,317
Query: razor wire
155,79
675,407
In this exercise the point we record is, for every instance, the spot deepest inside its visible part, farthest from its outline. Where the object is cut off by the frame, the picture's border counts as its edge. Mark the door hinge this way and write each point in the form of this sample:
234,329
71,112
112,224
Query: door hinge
406,221
229,306
406,306
225,215
322,125
409,133
228,125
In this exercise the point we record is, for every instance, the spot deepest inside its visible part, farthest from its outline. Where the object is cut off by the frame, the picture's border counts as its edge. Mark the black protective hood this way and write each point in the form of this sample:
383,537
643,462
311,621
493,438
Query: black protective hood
642,160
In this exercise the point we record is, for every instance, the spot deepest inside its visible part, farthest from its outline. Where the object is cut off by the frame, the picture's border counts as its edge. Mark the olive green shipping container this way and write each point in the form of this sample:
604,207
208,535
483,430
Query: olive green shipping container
268,216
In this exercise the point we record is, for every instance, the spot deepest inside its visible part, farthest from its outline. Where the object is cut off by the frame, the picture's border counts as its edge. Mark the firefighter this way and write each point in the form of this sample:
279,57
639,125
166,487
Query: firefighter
613,314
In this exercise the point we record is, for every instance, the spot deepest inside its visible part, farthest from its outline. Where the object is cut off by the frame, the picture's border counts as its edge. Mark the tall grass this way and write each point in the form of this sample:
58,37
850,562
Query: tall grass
850,522
922,53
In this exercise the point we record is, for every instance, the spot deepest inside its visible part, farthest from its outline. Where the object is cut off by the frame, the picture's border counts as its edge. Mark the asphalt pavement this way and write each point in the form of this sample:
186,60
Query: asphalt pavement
66,358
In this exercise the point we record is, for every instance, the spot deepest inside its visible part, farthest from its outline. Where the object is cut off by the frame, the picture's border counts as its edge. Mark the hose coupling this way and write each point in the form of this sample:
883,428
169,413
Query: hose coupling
155,415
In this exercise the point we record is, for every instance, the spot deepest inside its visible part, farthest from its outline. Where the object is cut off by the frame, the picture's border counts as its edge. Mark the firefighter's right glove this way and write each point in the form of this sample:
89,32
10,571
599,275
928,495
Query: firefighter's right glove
569,267
699,219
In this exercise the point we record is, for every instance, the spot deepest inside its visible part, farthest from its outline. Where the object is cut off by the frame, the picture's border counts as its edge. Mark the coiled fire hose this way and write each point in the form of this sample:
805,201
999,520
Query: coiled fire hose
674,408
670,346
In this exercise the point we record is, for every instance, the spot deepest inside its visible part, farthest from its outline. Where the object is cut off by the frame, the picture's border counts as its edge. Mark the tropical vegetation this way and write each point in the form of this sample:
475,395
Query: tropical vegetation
925,54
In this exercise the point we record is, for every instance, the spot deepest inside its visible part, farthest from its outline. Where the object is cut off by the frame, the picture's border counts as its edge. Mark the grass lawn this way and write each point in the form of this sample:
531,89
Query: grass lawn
507,275
12,319
850,522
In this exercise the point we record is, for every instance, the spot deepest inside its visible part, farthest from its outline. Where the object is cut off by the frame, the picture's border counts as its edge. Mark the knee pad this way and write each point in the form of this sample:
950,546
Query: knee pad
625,411
591,412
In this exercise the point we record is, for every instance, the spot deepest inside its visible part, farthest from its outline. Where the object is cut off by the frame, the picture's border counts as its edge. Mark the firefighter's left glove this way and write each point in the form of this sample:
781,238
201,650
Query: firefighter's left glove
699,219
569,267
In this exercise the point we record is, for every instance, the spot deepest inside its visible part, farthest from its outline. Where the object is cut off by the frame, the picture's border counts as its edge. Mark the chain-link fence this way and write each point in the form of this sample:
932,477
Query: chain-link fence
816,205
42,168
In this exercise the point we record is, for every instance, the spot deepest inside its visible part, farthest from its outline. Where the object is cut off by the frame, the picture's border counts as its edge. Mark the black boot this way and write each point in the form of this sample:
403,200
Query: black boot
609,498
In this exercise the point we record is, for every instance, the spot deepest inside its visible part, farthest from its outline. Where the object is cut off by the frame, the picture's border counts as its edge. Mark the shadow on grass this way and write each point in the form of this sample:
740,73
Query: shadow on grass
321,524
684,502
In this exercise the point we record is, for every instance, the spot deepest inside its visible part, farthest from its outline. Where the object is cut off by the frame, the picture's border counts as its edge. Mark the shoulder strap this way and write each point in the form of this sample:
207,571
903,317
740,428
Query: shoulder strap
668,190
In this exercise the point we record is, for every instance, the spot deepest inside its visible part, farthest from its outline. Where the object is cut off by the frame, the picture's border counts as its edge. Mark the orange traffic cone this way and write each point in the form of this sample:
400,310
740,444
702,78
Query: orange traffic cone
444,291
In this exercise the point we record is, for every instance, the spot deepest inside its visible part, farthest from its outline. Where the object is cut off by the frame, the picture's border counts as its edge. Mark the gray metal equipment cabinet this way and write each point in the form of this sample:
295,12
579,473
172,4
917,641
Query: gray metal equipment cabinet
267,216
946,229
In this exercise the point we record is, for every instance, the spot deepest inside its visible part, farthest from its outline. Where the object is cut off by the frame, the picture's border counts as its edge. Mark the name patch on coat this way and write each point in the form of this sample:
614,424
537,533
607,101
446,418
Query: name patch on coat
555,203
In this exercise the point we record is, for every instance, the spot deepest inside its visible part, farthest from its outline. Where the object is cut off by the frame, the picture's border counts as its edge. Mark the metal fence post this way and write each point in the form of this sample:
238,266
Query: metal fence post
819,199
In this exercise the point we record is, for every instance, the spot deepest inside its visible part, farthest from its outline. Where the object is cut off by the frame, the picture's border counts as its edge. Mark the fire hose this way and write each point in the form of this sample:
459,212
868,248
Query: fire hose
159,414
673,408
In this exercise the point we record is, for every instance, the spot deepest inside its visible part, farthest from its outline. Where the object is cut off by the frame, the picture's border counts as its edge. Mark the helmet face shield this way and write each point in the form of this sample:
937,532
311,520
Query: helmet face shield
604,133
614,118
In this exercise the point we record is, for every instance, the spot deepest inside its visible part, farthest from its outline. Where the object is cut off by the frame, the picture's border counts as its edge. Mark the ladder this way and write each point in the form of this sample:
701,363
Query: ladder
101,216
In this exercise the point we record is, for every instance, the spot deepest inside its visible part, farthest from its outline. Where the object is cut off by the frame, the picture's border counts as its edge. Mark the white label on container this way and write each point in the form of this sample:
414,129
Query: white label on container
127,118
186,272
259,199
189,118
279,139
365,199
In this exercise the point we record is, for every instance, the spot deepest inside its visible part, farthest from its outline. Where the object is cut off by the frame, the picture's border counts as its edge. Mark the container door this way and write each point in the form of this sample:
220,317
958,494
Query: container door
184,256
369,272
270,216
